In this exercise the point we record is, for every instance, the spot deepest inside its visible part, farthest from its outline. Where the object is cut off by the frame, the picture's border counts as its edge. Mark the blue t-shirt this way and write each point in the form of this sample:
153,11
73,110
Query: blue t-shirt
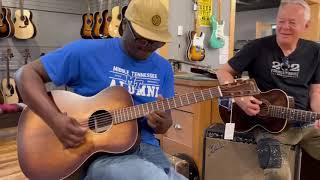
89,66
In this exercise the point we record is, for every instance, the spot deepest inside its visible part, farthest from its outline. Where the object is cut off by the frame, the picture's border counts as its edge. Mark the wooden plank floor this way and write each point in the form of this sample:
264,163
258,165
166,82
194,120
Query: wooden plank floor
9,165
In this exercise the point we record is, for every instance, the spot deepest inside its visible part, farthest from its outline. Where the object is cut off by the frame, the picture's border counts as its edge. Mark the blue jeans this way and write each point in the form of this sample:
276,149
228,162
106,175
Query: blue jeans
148,162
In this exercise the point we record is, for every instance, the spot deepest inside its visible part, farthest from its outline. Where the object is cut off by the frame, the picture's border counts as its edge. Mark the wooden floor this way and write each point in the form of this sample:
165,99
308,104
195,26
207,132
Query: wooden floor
9,166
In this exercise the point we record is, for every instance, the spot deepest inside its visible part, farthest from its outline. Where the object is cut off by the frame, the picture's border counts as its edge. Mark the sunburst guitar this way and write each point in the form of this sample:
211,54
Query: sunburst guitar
6,24
110,117
196,51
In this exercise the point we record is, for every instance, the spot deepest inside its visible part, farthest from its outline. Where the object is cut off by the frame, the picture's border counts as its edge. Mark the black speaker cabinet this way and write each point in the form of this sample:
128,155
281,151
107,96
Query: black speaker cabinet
230,160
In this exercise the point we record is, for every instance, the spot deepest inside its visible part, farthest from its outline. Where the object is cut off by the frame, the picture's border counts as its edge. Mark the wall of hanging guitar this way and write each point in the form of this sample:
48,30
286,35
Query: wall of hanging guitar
105,21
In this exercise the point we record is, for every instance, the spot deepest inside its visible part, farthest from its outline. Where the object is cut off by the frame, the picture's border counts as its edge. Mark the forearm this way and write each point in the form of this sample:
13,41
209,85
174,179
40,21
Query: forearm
225,74
315,102
34,94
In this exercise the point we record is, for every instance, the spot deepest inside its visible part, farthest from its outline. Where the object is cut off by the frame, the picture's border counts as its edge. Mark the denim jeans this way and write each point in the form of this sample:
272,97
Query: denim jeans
148,162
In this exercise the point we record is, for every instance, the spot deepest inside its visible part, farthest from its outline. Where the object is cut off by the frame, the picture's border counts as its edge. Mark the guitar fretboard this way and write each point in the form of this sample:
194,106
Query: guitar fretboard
293,114
134,112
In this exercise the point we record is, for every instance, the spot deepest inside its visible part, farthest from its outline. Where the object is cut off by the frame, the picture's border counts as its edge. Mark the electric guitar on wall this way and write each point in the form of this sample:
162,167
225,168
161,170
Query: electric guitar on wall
97,23
6,24
111,123
275,112
23,25
196,51
8,84
87,23
217,36
115,22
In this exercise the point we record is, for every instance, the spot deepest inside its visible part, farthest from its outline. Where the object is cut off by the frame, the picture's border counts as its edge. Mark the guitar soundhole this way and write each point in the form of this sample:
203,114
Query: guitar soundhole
11,90
100,121
88,21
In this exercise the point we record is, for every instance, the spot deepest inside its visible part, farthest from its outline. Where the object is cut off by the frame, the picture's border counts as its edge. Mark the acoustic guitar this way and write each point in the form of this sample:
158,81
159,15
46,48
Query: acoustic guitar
6,24
195,50
87,23
106,19
23,25
8,84
115,21
111,121
217,25
97,17
275,113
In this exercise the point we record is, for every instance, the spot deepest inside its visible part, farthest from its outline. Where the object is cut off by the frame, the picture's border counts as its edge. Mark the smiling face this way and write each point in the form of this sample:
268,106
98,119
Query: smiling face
291,24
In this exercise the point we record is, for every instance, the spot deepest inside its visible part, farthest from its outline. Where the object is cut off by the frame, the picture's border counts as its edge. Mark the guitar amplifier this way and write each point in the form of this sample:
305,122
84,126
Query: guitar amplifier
235,159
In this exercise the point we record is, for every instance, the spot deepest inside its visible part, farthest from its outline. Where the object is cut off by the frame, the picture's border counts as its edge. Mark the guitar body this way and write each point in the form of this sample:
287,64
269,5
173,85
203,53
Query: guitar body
6,24
217,36
24,27
42,156
96,26
106,19
86,28
115,22
9,91
245,123
195,51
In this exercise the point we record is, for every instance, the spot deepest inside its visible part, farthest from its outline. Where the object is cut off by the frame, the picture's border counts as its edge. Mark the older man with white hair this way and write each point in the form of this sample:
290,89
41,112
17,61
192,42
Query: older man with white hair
284,61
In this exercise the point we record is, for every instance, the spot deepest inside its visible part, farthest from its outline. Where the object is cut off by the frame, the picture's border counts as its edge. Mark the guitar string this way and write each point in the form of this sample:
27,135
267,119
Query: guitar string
104,118
127,110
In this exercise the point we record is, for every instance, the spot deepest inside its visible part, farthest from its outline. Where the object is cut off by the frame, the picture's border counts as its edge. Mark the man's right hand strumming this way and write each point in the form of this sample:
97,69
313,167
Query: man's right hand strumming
249,104
68,130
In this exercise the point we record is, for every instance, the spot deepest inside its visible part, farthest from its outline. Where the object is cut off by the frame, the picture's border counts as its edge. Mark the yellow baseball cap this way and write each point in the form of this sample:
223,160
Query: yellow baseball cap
149,18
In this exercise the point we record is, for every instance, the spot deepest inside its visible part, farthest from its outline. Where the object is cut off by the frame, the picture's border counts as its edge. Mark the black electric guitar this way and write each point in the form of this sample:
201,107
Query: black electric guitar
275,112
6,24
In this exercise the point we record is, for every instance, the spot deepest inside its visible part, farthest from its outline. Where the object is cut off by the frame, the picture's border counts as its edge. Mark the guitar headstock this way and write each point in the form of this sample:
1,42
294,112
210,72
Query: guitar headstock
240,88
26,55
9,54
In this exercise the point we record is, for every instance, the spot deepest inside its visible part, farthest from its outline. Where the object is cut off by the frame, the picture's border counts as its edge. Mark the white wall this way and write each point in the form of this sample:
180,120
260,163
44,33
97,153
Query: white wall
245,28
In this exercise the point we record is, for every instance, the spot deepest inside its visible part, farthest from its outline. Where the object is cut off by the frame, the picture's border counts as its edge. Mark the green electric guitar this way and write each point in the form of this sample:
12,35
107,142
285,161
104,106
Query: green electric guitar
217,25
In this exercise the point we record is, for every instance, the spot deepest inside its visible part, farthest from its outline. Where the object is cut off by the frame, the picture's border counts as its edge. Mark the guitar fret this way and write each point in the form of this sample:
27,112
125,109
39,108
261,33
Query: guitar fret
210,93
168,103
181,103
162,105
139,113
202,95
187,99
195,98
174,101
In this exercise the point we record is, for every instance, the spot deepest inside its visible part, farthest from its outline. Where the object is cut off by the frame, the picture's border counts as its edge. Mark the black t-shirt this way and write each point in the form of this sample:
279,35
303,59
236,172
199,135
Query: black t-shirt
264,61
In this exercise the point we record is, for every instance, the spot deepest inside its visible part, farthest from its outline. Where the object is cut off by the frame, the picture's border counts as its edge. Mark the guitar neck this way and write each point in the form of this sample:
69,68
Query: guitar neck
89,10
21,8
293,114
219,11
141,110
196,21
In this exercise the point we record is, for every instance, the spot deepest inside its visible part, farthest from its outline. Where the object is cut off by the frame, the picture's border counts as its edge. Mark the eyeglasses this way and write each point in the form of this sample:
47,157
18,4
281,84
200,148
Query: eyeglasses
145,42
285,63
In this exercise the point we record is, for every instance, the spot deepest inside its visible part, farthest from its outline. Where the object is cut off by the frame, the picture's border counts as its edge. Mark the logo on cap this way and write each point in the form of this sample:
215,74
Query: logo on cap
156,20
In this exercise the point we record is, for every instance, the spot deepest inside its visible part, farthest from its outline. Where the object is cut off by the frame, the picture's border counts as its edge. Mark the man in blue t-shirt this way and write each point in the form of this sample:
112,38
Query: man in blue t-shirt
89,66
